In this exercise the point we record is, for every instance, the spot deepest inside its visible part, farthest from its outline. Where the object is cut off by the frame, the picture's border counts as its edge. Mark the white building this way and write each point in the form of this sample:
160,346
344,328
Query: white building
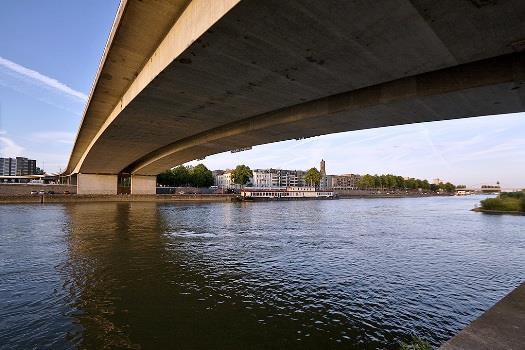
224,180
262,178
277,178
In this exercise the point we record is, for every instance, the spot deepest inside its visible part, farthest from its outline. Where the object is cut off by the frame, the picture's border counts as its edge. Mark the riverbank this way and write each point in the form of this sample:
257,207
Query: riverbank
75,198
500,327
497,212
198,197
391,195
12,190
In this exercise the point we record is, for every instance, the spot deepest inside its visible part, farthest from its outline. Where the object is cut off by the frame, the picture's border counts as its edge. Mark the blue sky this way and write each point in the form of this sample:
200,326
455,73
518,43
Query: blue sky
49,54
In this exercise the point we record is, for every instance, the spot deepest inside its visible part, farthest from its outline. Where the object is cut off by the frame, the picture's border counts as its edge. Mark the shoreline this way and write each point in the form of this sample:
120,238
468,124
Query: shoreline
204,198
497,212
76,198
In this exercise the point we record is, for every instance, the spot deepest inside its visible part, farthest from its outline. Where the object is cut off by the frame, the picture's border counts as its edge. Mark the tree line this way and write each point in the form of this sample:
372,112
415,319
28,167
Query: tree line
200,176
197,176
313,178
390,181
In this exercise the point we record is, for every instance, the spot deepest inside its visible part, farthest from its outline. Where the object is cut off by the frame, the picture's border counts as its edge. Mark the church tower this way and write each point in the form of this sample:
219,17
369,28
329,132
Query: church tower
322,168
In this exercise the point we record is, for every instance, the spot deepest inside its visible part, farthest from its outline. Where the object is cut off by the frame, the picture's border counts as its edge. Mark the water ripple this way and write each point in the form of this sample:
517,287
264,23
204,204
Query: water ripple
349,273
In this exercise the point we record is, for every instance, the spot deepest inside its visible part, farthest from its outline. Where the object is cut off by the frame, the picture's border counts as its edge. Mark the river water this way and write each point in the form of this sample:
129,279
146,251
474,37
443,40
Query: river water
356,273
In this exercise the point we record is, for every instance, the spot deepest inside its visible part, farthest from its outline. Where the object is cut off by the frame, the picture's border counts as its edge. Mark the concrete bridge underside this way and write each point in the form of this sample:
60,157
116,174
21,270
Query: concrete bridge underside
182,80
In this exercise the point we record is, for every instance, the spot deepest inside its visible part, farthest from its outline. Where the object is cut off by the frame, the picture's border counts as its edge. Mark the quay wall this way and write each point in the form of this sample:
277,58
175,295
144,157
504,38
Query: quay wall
25,189
385,193
61,198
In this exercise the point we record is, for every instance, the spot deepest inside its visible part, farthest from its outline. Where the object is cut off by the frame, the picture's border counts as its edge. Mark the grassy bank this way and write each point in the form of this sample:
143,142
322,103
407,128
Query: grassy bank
505,202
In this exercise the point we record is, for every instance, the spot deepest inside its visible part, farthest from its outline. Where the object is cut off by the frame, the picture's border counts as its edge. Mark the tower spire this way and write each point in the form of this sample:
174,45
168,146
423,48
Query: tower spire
322,168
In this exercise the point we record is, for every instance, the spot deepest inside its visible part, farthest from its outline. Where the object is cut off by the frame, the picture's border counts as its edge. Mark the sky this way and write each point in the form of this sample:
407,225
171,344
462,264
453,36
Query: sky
49,55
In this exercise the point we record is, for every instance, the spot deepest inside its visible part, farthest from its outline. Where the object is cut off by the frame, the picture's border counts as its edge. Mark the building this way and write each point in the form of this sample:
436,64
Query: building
7,167
224,179
437,181
337,182
216,173
277,178
340,182
262,178
491,189
18,166
345,182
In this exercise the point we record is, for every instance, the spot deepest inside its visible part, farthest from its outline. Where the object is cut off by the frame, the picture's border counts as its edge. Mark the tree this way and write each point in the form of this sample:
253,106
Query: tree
312,177
241,174
181,176
39,171
401,182
200,176
449,187
165,178
368,181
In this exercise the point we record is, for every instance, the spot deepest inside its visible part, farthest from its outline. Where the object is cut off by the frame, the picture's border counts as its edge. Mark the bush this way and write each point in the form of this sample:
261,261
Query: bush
502,204
517,195
417,344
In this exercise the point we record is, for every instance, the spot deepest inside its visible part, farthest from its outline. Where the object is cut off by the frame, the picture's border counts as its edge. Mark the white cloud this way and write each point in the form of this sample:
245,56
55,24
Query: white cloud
54,136
9,148
41,79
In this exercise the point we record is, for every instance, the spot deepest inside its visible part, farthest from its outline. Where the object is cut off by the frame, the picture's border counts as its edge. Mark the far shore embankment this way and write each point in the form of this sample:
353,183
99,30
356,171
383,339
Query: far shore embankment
497,212
75,198
203,198
344,194
38,193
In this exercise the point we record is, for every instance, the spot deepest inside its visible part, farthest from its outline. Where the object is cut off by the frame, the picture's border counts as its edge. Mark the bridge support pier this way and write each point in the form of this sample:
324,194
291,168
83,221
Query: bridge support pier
96,184
143,184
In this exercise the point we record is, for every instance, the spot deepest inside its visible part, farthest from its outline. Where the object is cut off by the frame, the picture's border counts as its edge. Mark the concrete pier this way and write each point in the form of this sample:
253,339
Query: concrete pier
501,327
96,184
143,184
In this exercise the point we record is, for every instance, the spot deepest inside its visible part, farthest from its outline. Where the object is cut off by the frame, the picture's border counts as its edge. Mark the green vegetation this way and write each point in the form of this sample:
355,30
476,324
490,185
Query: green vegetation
312,177
506,201
241,174
39,171
417,344
197,176
390,181
200,176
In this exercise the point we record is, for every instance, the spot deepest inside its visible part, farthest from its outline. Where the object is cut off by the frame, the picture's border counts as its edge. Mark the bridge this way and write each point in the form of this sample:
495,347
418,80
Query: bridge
183,79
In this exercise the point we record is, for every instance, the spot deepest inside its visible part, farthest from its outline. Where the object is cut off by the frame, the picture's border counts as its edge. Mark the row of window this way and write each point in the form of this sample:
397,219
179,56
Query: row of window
288,194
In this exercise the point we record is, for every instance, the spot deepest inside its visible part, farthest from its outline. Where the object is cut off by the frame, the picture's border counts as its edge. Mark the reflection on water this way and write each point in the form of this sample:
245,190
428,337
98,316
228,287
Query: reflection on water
364,273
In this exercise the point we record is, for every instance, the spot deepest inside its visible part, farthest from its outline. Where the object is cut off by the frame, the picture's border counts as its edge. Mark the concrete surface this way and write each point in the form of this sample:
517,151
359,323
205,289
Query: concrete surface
145,38
502,327
96,184
57,198
276,70
141,184
25,189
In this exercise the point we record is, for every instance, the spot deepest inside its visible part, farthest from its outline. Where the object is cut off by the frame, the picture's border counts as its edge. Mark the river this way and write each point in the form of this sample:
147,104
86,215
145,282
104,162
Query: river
353,273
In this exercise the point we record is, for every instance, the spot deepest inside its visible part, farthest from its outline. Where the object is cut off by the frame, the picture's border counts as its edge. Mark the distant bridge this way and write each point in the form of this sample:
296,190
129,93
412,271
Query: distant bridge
184,79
